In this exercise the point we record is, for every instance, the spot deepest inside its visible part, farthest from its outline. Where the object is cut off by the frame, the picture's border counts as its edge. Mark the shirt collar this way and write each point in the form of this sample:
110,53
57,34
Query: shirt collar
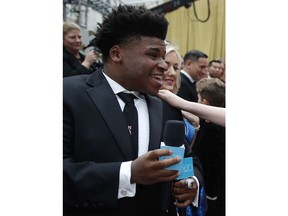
117,88
188,76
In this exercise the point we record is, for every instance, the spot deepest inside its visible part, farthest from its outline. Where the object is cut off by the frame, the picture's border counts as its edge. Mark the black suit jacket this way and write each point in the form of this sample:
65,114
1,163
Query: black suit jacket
187,89
72,66
96,142
210,148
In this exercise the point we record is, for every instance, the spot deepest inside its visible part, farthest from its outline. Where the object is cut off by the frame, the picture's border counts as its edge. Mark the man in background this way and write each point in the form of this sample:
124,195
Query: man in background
214,69
194,69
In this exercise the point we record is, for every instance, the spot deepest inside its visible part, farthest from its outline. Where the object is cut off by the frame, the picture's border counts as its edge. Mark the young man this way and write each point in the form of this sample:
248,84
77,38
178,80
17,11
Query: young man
104,174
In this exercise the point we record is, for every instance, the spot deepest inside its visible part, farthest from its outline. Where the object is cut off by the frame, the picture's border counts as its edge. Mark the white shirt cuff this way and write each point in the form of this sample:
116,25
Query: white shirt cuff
126,189
196,200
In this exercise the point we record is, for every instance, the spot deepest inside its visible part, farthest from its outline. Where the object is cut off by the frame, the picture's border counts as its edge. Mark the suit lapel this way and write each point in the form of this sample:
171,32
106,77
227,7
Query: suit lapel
155,108
106,101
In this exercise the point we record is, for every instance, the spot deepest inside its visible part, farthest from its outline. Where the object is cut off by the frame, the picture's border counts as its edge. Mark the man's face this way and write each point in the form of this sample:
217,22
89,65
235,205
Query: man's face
143,65
200,68
215,70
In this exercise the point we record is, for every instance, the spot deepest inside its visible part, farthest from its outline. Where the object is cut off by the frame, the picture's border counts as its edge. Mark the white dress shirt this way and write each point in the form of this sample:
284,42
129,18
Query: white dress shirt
126,189
188,76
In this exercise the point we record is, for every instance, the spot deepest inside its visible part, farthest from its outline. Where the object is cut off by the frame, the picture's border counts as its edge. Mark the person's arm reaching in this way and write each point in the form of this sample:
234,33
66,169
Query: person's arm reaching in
211,113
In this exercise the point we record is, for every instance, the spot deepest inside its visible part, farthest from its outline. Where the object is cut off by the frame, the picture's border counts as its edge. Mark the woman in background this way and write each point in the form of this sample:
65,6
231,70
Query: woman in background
171,82
74,62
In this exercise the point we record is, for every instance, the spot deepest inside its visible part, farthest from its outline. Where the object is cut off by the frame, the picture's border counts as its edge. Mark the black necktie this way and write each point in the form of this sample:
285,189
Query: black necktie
131,116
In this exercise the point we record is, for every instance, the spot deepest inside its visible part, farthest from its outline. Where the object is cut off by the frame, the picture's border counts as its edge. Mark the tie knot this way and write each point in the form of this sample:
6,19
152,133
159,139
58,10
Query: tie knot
127,97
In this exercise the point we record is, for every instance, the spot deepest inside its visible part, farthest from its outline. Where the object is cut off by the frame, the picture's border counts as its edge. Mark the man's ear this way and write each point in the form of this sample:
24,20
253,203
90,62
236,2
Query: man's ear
188,62
204,101
115,53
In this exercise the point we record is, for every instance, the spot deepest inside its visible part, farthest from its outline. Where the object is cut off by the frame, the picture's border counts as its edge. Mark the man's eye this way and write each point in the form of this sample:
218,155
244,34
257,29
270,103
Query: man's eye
176,68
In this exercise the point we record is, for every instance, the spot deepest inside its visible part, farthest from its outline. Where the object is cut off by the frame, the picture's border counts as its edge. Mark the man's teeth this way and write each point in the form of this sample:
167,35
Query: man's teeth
158,77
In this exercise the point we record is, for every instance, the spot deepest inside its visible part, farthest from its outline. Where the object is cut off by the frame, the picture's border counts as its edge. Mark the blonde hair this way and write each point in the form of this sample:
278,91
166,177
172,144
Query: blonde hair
174,48
68,26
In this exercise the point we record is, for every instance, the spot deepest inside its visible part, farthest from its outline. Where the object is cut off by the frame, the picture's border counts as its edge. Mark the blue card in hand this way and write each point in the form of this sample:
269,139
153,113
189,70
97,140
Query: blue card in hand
187,168
177,152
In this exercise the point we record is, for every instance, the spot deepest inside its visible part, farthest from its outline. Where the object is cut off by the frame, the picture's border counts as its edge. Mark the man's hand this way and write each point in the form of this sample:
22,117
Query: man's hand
147,169
183,194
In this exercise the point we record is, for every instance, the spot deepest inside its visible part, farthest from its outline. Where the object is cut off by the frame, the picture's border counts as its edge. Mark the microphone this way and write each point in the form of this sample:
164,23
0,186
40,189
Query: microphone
174,135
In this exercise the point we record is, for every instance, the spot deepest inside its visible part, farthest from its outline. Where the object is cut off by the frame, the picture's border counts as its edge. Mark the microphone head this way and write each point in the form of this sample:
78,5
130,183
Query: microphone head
174,133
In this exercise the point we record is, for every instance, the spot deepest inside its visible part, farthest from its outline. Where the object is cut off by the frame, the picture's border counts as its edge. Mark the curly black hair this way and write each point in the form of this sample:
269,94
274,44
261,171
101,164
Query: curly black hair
128,22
